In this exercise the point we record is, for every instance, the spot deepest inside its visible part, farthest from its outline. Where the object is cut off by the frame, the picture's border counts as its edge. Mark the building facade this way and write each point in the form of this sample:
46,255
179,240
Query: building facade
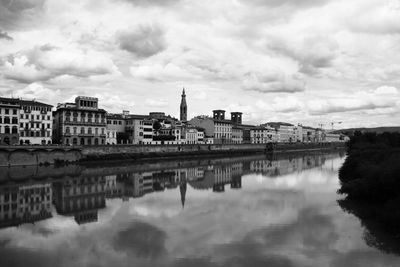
36,123
237,135
9,121
79,123
263,135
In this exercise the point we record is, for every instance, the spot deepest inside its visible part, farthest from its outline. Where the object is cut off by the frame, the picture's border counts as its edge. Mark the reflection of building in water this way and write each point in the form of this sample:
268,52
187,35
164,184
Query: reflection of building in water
26,203
80,197
276,167
216,177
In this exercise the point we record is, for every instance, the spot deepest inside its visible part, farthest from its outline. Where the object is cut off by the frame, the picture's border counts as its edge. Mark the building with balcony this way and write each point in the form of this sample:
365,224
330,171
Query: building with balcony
36,123
79,123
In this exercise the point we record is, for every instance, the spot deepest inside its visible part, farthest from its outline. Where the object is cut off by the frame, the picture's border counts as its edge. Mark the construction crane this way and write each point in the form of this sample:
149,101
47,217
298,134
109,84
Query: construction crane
335,122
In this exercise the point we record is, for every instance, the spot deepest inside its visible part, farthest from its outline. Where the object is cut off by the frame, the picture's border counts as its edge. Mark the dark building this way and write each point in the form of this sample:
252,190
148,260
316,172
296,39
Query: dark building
183,109
236,117
80,123
219,114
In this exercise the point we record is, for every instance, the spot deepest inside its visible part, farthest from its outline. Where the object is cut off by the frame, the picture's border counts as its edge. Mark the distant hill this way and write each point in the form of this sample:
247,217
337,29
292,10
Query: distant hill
368,130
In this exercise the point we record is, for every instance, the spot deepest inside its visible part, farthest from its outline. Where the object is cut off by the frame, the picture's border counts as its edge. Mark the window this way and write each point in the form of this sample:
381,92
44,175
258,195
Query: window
75,129
90,130
82,130
14,129
7,111
6,119
67,130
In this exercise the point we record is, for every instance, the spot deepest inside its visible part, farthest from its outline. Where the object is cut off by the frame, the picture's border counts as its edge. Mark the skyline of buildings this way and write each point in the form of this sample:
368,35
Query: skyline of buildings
84,123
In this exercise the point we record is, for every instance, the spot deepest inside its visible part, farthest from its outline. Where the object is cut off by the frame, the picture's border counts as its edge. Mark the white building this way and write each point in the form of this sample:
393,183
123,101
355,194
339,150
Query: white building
36,123
263,135
9,121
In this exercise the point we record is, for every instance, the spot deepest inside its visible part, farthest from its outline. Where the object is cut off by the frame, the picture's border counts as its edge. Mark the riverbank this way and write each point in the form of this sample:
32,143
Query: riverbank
48,155
370,181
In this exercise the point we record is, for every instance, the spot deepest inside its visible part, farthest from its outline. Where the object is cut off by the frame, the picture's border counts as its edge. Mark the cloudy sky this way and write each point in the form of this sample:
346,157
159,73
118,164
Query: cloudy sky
300,61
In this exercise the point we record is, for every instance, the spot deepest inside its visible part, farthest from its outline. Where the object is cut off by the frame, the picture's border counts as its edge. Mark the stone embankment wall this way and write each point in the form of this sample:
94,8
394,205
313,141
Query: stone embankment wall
37,155
43,155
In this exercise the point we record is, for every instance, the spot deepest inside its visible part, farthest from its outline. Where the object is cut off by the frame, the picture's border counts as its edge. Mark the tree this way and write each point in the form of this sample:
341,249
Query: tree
156,126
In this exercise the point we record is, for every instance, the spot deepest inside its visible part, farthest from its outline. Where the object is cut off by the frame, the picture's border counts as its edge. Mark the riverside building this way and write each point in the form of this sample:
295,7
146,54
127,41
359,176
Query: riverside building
36,123
80,123
9,121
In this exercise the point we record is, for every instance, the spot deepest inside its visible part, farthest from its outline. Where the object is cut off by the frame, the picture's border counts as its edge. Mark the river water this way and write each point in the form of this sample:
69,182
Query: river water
276,210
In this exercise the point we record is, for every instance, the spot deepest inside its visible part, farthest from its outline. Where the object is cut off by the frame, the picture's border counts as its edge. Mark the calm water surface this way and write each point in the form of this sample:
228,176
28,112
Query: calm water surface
261,210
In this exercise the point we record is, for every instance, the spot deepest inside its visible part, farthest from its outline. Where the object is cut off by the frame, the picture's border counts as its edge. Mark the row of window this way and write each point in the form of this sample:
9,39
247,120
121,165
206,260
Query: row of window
35,134
83,114
32,117
8,111
82,130
8,120
9,130
30,108
37,124
114,122
89,120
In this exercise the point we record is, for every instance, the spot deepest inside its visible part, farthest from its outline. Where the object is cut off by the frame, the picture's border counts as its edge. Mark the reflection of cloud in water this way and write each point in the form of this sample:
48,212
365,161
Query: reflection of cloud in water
287,220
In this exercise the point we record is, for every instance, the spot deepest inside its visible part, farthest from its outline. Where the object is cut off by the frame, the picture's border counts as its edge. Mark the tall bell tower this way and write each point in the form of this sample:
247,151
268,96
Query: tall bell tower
183,116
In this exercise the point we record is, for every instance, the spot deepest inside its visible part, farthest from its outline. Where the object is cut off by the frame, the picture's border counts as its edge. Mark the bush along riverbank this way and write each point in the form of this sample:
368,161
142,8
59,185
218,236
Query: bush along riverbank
370,181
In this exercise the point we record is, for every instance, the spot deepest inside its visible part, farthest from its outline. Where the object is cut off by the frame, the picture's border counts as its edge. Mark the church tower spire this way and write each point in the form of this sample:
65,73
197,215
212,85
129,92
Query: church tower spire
183,108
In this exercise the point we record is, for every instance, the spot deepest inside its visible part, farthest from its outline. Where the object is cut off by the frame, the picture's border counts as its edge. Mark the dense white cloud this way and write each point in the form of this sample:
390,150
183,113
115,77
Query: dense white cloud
273,82
145,41
46,62
38,92
276,60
